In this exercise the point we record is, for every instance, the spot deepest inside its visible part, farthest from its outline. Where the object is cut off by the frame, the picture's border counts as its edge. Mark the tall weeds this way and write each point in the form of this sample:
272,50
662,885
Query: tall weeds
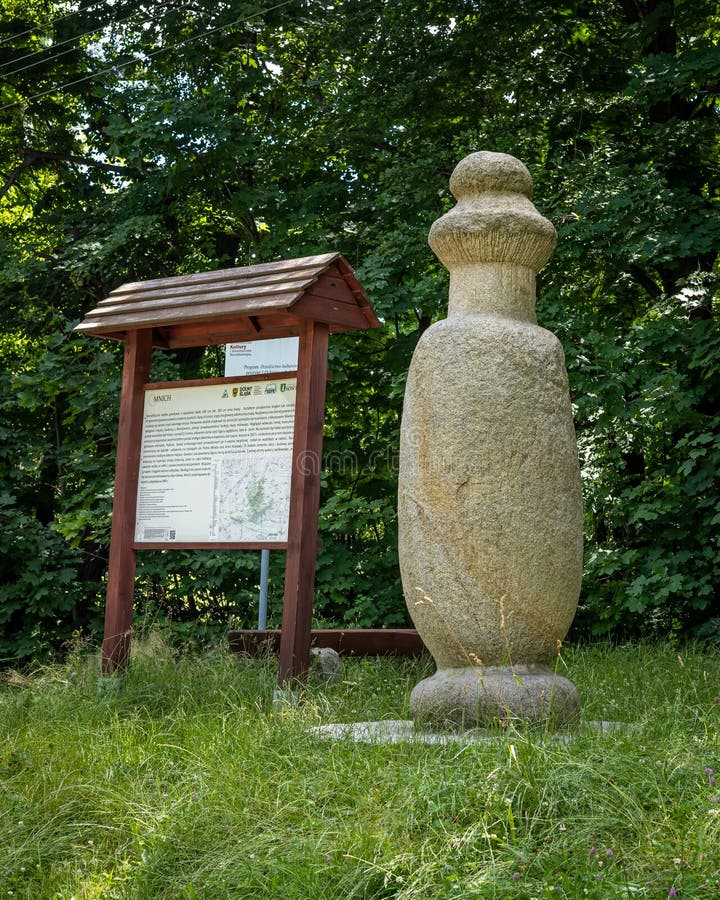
181,781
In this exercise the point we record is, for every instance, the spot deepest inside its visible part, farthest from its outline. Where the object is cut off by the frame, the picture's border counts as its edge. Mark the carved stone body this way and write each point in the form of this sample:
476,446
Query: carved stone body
490,505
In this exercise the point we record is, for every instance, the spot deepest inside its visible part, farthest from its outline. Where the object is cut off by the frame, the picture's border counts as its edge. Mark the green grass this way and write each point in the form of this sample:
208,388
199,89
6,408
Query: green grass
179,781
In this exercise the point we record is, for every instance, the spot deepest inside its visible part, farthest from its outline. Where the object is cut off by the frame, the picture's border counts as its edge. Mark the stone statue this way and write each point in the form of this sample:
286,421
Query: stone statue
490,504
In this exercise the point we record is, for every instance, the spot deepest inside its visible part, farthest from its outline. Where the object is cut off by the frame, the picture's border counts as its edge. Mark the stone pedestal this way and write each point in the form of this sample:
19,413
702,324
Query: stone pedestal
490,505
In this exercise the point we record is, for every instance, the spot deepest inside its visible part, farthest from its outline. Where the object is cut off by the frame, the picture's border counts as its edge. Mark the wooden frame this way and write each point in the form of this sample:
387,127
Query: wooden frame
304,501
349,641
121,566
310,298
214,545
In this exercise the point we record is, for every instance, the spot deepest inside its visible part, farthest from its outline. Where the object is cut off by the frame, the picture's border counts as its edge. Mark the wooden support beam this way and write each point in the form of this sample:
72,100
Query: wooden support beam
304,502
121,569
351,642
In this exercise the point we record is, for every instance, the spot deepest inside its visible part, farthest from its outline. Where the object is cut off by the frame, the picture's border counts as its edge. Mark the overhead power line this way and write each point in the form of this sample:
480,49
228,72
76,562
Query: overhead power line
67,15
145,57
72,40
53,47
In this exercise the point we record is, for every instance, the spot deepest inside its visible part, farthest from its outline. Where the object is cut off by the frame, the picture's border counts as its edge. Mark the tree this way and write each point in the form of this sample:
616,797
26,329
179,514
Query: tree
140,141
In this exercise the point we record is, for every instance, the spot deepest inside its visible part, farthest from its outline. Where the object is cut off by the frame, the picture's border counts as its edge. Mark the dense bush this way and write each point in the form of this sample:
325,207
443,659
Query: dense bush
303,130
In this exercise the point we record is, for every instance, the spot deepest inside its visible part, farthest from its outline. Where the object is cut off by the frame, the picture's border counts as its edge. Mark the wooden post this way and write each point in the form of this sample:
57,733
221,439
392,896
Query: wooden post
121,570
304,502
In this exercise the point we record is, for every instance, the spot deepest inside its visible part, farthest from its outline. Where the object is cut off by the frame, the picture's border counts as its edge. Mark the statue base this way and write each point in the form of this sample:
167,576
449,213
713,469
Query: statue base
486,695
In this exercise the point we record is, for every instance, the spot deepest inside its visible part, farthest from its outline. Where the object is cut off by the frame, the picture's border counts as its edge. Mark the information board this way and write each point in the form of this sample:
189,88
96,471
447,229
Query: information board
215,463
261,357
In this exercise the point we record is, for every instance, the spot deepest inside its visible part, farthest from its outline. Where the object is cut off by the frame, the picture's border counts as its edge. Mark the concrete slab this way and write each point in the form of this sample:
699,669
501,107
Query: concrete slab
397,731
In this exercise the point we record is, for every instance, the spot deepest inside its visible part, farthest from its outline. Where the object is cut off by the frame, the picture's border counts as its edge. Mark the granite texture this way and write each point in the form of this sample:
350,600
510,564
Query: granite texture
490,504
465,697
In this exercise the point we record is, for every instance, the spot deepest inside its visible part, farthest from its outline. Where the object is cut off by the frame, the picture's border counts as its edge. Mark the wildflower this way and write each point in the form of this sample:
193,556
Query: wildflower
592,852
516,876
672,892
715,799
708,770
608,853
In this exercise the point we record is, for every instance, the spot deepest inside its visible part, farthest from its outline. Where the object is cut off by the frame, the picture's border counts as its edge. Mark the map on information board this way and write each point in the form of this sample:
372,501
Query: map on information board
251,498
215,463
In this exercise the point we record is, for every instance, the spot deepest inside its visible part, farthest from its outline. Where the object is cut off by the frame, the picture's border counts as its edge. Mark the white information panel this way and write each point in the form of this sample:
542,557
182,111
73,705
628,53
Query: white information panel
261,357
215,463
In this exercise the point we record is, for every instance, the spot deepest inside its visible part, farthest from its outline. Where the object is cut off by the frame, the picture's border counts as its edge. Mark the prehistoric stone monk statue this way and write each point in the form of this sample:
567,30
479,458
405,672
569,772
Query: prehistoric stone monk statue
490,505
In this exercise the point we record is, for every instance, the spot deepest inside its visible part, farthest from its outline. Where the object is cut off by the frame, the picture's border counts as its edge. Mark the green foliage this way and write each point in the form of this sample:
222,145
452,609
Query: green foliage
139,141
59,418
651,464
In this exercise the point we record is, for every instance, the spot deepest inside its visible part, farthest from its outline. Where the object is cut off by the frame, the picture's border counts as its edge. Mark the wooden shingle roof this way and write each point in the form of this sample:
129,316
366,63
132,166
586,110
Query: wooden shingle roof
244,303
